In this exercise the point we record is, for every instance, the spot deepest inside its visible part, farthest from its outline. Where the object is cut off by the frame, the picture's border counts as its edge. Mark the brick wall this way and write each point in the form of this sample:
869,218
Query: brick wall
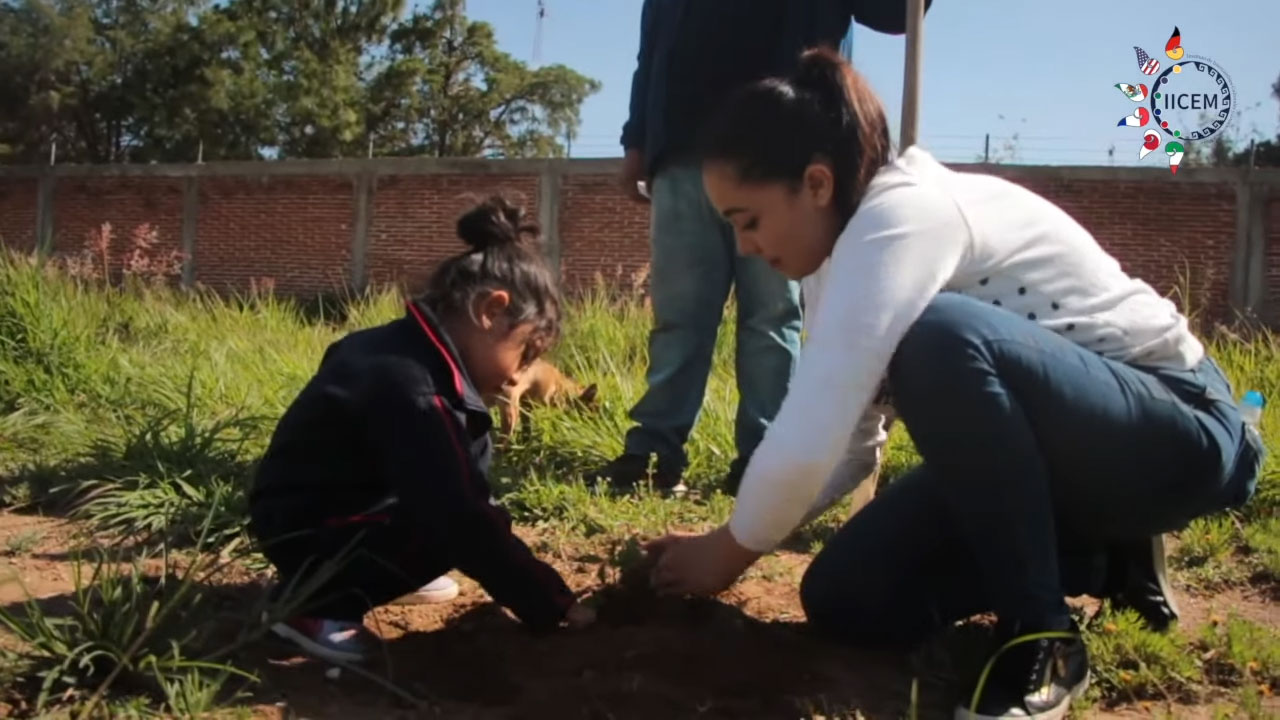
413,219
297,223
602,232
296,231
1177,237
83,205
18,213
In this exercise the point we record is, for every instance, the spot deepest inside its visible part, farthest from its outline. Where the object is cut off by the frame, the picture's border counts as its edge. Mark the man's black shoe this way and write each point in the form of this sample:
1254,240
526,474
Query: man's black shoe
628,470
733,478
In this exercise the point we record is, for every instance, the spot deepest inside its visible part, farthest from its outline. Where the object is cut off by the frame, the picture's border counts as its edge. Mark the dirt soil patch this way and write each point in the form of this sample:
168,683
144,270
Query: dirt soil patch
745,655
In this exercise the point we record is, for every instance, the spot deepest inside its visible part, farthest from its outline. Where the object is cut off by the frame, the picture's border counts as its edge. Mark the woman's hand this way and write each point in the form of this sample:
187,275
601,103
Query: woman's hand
698,564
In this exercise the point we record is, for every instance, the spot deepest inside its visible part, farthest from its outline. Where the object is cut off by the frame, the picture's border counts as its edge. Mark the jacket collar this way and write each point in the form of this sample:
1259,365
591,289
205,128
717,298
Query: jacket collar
460,386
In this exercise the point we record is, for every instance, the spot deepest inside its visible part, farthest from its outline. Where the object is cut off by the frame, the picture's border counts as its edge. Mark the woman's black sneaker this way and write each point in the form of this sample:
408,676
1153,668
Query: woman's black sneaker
1139,581
1033,675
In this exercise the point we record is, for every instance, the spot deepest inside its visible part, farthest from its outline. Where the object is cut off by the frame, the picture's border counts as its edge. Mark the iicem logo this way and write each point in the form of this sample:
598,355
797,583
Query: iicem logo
1190,100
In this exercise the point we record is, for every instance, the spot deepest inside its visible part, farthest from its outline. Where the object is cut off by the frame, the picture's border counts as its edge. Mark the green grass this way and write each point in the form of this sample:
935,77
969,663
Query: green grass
1207,552
605,343
143,410
23,542
1254,364
1131,663
125,627
1263,541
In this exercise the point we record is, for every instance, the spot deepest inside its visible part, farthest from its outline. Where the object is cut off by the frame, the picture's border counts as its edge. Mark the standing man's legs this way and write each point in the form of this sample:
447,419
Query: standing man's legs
768,347
692,271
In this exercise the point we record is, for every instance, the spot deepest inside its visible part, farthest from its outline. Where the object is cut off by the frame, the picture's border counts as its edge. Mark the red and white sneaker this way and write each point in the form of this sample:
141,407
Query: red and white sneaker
441,590
334,640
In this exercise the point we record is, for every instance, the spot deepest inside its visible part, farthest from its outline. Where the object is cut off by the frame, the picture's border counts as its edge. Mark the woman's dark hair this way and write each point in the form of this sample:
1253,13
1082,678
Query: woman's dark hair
504,254
771,130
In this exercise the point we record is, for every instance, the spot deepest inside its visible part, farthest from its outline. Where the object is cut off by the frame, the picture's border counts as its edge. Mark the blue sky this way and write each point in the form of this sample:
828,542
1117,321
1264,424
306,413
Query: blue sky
1044,70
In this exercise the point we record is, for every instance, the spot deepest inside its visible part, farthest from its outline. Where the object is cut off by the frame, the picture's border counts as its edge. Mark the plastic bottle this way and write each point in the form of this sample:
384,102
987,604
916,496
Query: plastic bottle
1251,408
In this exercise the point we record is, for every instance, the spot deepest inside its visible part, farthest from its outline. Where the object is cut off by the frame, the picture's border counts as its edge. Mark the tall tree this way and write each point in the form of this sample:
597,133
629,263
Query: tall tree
446,89
209,88
315,52
1275,93
125,80
154,80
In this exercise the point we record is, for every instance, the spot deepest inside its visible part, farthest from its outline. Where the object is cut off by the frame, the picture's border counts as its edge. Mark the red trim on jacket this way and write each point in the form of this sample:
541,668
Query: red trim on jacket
426,327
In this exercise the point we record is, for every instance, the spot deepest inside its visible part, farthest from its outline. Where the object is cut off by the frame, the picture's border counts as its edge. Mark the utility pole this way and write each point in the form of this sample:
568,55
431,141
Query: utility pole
537,33
911,75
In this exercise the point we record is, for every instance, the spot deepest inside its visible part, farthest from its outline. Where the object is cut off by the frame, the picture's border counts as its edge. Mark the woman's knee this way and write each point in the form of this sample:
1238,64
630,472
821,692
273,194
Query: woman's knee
840,603
818,593
829,608
950,322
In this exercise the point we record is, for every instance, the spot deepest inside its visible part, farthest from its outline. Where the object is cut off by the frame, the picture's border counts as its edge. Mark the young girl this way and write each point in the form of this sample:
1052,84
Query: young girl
1060,406
375,479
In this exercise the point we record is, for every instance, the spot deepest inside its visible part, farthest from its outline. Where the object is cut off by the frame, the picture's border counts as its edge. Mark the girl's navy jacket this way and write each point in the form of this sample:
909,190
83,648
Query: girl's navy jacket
391,429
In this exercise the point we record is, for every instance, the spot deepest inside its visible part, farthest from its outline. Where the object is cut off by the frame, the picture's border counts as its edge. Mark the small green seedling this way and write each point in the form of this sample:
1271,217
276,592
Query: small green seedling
626,596
632,563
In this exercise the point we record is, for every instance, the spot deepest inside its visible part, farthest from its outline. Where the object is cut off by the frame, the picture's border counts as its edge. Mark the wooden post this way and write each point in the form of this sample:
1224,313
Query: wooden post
911,75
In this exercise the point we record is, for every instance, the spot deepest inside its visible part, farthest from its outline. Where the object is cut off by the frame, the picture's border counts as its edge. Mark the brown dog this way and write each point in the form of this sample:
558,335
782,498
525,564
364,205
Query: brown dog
541,382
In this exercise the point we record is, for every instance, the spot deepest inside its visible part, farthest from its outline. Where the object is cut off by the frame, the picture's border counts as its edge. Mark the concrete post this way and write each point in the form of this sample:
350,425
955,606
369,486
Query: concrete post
549,215
1255,295
363,188
1247,289
190,222
44,214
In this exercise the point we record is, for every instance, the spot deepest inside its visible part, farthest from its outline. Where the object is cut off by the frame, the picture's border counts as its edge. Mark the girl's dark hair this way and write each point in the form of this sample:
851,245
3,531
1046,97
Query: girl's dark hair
771,130
504,254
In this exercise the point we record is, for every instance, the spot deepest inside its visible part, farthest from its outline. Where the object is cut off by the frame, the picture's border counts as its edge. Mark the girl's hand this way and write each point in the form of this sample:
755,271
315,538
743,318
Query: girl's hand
698,564
579,616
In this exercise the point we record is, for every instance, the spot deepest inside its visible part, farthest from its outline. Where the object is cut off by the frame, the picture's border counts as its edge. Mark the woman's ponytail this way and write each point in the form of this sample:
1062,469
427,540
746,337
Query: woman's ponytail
773,129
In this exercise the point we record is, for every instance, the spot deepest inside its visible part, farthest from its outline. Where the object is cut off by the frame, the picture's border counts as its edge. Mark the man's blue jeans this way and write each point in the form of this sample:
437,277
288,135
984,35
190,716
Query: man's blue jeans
1035,450
694,265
